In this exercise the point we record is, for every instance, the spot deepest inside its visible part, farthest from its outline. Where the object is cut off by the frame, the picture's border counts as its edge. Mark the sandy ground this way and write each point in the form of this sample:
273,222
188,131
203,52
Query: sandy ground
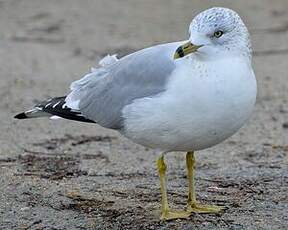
68,175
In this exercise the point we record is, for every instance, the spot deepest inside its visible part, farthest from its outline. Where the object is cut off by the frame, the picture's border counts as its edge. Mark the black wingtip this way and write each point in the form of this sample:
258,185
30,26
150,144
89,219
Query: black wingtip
20,116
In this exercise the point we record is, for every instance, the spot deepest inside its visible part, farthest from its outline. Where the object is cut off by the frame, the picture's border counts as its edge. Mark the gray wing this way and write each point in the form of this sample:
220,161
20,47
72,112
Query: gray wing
102,96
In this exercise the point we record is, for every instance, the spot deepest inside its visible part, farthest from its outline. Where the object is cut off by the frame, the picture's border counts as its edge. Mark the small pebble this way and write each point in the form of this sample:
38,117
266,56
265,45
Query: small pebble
214,189
24,209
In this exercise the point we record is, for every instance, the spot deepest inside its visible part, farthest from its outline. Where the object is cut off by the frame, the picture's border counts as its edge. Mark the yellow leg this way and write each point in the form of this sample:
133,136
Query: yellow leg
166,214
193,206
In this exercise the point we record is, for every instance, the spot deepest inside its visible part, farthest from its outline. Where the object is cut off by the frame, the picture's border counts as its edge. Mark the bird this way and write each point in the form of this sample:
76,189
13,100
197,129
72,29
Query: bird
182,96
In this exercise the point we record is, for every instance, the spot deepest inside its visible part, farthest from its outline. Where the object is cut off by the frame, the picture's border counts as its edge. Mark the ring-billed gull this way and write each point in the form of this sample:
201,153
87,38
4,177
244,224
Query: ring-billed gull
181,96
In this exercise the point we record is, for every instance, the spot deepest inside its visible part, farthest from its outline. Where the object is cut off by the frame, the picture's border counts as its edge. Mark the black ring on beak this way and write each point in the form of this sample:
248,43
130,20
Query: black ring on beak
180,51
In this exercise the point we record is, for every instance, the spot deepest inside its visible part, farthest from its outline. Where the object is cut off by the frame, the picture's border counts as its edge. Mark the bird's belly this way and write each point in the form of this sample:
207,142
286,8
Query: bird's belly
191,117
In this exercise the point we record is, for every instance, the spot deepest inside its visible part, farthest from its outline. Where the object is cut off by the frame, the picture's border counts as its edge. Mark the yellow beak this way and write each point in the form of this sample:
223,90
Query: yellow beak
186,49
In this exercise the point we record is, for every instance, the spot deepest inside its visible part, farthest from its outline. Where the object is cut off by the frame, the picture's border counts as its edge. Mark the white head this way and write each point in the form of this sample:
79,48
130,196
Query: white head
217,31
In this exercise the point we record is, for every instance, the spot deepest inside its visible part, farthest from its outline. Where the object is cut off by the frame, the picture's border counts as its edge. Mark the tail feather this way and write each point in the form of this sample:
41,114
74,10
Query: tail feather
32,113
21,116
51,108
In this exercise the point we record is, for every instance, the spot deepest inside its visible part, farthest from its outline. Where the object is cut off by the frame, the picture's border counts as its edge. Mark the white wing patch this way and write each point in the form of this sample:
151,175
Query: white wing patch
78,87
54,117
108,60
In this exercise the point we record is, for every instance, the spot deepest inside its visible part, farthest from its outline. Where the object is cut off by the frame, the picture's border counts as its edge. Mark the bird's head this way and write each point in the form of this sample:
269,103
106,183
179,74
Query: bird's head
216,31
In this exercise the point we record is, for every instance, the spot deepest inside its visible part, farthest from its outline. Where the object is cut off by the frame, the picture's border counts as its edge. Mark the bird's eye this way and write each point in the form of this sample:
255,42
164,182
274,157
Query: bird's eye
218,34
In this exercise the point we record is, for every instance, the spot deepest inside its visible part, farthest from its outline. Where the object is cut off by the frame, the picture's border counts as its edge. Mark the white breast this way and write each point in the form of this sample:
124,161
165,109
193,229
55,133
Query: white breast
204,104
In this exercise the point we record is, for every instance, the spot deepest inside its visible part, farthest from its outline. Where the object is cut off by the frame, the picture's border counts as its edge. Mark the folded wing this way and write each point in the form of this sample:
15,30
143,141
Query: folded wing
101,95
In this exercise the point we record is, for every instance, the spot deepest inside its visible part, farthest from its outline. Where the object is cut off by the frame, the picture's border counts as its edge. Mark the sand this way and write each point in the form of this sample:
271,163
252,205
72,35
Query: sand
68,175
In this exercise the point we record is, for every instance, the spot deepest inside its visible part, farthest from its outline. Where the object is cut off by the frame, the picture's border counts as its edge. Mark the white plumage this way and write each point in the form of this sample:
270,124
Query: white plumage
201,106
187,104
